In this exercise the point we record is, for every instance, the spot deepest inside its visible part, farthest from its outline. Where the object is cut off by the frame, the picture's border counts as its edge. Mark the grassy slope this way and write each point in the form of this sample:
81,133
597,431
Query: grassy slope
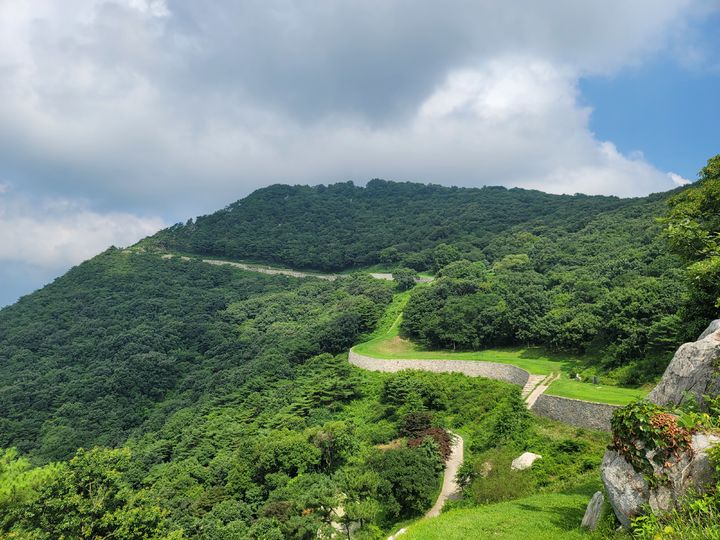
385,342
547,516
614,395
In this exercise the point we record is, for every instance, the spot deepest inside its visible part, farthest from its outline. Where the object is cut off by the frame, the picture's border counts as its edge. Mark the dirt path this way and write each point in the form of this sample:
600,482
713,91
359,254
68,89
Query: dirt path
450,488
288,272
540,389
271,271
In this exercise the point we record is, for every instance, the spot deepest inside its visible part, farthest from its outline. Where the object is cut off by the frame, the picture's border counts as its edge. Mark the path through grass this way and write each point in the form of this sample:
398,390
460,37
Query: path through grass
386,343
546,516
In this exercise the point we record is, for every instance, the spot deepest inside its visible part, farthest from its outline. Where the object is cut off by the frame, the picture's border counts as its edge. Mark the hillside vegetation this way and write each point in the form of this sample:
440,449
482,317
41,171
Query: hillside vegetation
155,397
575,274
231,416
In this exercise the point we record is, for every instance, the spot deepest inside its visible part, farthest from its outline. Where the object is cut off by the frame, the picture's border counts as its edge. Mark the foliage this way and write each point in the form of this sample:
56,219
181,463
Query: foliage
90,496
404,278
696,518
569,455
341,226
440,437
576,274
693,230
226,397
87,359
649,436
408,479
541,516
220,387
471,306
490,479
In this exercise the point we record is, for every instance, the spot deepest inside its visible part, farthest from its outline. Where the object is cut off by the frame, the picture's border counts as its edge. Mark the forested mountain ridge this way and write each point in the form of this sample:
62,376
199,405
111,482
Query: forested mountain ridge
344,226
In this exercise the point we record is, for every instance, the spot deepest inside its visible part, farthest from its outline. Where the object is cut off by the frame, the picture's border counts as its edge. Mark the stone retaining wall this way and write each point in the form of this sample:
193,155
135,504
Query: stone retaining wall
584,414
471,368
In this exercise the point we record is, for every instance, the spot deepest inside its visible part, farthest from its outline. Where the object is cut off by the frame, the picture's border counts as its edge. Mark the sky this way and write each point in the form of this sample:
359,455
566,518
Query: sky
120,117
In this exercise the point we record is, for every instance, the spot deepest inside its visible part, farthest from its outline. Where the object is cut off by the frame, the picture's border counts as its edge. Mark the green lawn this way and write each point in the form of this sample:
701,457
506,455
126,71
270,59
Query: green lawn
533,360
391,346
547,516
615,395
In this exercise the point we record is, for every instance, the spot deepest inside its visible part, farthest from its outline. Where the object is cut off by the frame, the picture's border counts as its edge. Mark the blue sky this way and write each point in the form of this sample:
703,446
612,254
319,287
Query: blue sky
118,117
667,112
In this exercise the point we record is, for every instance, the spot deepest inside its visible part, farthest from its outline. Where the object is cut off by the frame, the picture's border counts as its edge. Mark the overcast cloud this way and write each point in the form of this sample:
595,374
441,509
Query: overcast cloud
117,116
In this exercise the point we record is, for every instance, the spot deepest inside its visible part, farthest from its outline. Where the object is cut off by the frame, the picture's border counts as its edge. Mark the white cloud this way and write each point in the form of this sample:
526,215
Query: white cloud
153,8
57,233
144,103
678,180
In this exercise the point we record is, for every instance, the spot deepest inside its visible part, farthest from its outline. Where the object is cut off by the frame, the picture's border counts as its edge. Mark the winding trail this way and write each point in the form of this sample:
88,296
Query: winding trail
272,271
450,488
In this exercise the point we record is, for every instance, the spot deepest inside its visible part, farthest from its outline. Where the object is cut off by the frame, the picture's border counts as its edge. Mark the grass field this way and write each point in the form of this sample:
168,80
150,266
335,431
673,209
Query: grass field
393,347
547,516
534,360
614,395
386,343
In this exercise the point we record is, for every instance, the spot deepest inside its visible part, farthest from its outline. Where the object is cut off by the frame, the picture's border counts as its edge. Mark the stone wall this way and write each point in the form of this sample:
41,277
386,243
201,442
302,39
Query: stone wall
584,414
471,368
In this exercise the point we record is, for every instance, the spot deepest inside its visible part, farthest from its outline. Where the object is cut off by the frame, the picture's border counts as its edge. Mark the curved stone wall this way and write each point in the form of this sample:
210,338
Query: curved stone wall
584,414
471,368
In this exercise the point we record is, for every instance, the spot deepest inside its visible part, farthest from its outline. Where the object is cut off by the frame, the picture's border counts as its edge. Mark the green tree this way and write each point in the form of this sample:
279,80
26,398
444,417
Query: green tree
404,278
693,231
90,497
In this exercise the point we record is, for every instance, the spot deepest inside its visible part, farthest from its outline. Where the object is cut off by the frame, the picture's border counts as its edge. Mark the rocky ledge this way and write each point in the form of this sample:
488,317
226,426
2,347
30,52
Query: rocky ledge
694,372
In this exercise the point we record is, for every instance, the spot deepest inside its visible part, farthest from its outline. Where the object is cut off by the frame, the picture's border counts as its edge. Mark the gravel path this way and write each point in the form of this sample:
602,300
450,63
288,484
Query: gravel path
450,488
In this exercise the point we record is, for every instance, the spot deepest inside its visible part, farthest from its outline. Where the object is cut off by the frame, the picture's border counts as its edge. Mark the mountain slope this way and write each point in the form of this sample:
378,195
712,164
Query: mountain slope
345,226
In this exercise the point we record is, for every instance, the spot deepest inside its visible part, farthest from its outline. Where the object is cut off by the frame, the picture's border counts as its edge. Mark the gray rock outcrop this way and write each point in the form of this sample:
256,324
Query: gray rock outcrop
628,491
593,512
714,327
693,373
693,370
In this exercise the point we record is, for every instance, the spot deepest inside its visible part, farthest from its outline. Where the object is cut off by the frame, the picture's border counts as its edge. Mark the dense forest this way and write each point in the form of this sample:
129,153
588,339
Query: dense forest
147,396
344,226
575,274
229,411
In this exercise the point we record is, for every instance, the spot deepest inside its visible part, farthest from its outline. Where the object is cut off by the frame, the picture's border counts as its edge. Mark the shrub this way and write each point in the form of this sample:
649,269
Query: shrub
439,435
492,479
643,426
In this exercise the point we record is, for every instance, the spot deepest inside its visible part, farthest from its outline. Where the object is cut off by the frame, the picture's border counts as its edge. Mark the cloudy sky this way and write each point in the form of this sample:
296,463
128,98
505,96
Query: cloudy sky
118,117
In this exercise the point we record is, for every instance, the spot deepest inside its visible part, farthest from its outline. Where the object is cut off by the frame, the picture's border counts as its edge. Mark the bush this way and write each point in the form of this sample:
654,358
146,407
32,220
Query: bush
492,479
409,480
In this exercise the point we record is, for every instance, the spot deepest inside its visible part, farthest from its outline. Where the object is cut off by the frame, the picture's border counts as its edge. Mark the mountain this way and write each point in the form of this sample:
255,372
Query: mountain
597,276
216,403
344,226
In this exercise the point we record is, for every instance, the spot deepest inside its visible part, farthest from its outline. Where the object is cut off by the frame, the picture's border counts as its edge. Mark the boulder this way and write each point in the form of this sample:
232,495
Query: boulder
628,491
593,512
524,461
714,327
692,371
